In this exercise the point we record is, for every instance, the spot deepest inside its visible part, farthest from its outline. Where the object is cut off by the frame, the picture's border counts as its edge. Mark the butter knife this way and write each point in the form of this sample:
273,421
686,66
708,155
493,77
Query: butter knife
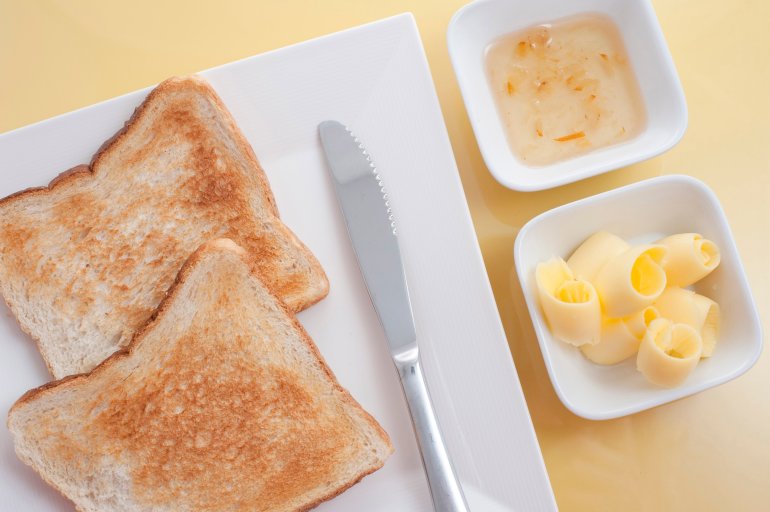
372,231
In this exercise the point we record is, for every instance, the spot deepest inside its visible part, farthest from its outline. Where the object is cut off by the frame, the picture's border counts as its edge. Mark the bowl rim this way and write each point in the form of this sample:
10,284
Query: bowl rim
508,170
673,394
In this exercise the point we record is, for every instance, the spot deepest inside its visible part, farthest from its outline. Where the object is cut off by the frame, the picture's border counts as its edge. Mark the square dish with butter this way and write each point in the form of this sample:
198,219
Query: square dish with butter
640,213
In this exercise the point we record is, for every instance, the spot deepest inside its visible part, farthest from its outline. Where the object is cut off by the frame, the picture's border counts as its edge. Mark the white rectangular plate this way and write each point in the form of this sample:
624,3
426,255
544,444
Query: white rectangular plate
375,79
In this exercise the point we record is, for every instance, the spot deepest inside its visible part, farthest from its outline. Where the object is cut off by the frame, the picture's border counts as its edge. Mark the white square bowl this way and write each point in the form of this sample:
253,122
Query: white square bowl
640,213
480,23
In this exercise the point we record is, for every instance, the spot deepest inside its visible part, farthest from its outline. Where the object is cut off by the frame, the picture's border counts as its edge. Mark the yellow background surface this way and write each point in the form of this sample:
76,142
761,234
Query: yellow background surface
707,452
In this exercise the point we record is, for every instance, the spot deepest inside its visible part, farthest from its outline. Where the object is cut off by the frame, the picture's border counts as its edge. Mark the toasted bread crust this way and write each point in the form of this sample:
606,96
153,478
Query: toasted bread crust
64,176
71,173
184,272
305,285
204,88
166,304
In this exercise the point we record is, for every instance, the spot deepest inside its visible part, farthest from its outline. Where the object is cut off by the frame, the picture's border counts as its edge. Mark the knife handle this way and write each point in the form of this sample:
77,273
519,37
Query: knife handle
444,486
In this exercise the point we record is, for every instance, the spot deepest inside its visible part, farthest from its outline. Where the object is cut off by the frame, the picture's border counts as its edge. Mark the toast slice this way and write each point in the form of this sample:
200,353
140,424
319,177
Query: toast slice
86,260
220,403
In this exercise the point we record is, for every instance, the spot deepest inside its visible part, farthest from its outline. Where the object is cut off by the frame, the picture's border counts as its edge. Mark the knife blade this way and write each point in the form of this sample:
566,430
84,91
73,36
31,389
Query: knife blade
370,223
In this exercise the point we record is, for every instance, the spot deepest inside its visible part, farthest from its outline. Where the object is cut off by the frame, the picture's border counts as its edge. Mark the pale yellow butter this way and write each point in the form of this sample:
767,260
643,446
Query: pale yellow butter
615,301
631,281
570,305
668,352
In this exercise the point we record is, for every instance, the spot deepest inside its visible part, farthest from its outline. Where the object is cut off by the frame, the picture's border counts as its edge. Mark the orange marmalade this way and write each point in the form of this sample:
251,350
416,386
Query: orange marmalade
564,89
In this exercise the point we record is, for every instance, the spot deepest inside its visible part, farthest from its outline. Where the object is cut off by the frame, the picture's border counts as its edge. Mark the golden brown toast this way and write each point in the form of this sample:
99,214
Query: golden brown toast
85,261
220,403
